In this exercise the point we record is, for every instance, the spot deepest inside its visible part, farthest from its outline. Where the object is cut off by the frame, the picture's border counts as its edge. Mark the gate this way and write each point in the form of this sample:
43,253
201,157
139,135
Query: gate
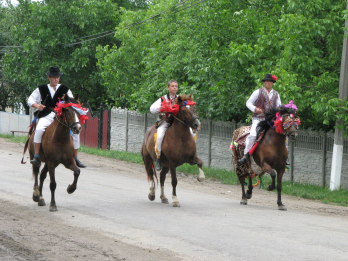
95,133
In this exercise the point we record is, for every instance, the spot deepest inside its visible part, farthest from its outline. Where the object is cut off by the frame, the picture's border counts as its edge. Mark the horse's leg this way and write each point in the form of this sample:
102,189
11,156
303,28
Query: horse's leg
244,200
53,185
43,175
174,183
268,169
163,175
198,161
36,192
249,192
279,189
71,188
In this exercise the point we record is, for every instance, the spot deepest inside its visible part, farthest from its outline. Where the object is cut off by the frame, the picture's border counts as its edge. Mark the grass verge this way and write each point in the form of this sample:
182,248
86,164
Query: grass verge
307,191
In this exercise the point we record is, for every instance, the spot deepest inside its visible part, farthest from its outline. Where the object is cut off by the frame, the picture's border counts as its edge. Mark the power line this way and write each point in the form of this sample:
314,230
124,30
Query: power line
178,6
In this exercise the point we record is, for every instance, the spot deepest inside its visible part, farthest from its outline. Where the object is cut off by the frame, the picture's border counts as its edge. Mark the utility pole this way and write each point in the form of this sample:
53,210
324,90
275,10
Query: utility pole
337,156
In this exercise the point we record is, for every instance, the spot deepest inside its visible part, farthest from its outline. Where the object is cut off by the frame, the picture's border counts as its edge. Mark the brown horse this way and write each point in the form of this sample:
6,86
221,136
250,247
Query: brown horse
271,153
56,148
178,147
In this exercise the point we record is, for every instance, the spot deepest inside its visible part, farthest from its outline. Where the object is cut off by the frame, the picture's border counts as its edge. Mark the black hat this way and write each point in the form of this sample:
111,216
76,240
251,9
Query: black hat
270,77
54,72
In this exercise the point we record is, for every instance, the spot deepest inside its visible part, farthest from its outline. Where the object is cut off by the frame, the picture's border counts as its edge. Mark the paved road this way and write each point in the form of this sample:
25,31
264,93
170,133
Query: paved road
206,227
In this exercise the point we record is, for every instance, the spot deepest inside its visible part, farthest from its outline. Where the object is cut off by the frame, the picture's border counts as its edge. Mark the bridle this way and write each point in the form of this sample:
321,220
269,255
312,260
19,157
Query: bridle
285,124
193,119
65,123
290,121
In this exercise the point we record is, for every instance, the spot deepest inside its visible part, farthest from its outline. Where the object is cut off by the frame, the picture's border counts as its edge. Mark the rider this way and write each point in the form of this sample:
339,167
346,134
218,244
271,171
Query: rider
172,88
44,98
260,101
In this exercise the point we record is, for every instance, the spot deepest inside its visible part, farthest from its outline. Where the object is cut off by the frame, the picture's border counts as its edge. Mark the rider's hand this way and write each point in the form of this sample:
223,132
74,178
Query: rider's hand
41,107
258,111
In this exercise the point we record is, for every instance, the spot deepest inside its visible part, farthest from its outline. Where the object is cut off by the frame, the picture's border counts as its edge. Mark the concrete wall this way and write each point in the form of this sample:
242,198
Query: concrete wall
307,167
13,122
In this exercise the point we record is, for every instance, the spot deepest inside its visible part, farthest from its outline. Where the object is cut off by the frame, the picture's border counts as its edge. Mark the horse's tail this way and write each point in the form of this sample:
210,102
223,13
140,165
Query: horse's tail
152,165
31,130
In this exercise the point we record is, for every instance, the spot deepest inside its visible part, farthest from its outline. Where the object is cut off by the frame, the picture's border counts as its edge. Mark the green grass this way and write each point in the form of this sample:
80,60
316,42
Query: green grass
307,191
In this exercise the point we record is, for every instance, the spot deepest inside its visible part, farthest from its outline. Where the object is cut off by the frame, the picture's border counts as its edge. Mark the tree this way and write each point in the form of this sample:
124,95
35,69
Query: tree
58,33
220,51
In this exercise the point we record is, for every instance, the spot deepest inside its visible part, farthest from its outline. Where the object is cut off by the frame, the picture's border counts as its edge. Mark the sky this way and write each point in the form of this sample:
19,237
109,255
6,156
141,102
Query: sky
15,2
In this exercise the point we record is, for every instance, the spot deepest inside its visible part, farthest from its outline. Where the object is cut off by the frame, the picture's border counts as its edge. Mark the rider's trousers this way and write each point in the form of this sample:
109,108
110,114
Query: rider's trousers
161,130
46,121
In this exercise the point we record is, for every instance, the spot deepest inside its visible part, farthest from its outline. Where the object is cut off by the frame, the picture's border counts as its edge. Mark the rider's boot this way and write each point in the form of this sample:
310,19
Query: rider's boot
287,163
79,163
244,159
36,160
158,164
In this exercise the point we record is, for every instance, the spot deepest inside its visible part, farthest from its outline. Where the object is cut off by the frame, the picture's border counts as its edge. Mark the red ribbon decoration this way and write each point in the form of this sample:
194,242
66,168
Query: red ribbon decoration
60,106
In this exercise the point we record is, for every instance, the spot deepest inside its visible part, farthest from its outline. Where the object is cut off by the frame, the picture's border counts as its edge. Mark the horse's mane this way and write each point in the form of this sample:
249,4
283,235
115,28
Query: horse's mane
270,117
183,98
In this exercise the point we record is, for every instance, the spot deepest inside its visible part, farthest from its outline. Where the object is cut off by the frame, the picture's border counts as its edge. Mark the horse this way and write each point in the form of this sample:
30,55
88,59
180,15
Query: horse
178,147
57,148
270,155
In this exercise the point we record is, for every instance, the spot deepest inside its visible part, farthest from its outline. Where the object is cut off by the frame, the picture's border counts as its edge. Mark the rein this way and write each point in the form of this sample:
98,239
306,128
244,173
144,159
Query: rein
192,120
62,122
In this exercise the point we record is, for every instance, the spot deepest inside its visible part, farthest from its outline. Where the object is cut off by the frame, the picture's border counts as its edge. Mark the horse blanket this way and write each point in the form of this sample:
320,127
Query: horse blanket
238,146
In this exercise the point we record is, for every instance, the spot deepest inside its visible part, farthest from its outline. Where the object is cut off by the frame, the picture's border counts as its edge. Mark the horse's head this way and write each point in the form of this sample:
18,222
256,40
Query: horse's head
187,112
287,122
72,113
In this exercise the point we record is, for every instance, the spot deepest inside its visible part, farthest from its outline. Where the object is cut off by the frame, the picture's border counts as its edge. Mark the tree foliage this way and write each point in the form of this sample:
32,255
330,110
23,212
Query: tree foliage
44,31
220,51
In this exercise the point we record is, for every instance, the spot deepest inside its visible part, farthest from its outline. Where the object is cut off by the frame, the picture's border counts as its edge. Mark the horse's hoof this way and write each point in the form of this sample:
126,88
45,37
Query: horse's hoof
41,202
164,200
248,196
70,190
36,198
151,197
282,208
244,202
176,204
53,208
270,188
200,179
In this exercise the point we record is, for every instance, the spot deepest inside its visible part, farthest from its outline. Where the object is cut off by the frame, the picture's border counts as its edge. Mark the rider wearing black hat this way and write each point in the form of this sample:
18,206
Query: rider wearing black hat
44,99
260,101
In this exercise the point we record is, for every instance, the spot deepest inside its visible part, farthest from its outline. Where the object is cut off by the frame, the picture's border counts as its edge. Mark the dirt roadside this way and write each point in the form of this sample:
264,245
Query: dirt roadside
38,235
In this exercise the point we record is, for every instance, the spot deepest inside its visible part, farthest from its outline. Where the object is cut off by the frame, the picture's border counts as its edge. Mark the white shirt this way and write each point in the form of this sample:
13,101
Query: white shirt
156,106
35,97
250,102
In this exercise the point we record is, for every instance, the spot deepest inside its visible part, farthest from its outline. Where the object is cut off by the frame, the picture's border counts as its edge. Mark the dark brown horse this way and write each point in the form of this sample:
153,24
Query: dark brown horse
178,147
271,153
56,148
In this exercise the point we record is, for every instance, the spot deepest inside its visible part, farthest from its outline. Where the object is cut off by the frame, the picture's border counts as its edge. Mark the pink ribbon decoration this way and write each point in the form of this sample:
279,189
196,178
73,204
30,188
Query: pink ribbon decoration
291,105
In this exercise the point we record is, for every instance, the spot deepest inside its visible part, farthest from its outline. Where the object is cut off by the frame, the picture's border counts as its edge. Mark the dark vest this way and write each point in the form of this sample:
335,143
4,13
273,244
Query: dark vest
48,101
265,103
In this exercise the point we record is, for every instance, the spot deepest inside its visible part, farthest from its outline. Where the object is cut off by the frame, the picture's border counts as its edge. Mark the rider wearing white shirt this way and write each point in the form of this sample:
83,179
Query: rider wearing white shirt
44,98
260,101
